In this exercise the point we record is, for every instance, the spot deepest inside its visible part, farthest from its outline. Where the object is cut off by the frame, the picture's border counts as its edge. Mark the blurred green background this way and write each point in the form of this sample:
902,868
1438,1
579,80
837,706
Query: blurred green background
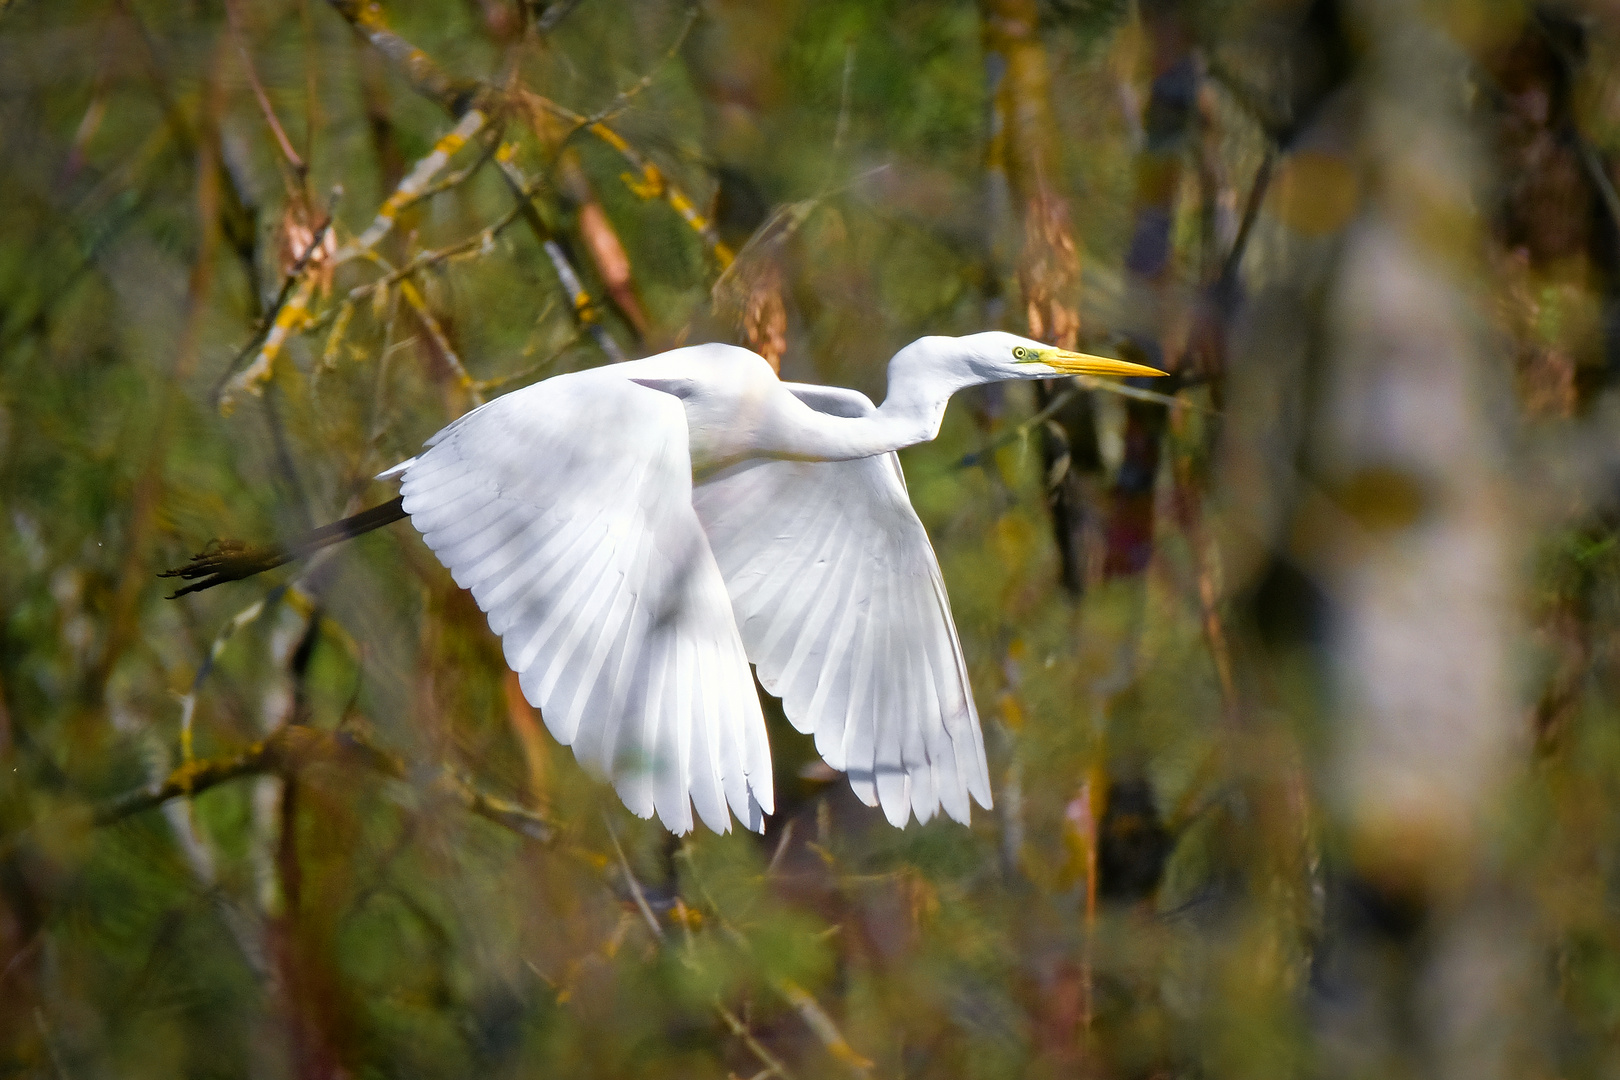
1301,695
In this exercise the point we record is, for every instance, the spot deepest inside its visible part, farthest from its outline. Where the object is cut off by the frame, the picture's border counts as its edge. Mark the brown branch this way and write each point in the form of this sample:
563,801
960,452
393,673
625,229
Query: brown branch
518,818
294,747
1131,520
299,168
290,747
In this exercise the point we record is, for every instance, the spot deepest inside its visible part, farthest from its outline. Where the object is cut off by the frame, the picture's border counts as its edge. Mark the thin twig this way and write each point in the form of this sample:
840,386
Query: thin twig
634,885
415,183
841,128
300,170
1087,382
648,180
378,424
772,1064
524,374
436,334
520,819
188,700
584,308
816,1018
1251,101
21,954
484,238
622,99
455,179
783,222
781,848
1227,281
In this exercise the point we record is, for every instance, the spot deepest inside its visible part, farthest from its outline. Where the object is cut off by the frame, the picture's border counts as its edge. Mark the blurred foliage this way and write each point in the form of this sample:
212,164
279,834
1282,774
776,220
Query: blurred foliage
306,826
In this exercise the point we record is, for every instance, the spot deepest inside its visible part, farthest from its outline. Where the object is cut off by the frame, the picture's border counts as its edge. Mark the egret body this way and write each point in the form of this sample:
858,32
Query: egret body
638,534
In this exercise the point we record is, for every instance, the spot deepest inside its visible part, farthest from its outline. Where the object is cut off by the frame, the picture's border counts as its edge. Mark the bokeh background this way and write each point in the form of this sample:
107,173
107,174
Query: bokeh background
1300,690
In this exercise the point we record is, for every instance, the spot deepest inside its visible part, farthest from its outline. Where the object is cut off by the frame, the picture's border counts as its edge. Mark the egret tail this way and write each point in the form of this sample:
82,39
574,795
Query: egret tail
232,560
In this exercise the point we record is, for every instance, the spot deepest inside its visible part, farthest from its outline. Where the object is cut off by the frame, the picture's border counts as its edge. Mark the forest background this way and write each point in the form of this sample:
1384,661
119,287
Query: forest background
1300,689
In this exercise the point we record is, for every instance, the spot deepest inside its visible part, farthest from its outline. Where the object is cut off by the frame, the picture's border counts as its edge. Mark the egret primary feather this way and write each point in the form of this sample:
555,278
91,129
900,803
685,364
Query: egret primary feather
638,534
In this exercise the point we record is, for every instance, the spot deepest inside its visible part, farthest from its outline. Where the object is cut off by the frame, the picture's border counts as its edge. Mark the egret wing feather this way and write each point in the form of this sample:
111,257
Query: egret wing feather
842,608
566,508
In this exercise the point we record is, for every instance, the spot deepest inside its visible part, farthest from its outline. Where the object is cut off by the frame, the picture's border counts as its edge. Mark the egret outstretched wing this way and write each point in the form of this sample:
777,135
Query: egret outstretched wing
566,508
843,611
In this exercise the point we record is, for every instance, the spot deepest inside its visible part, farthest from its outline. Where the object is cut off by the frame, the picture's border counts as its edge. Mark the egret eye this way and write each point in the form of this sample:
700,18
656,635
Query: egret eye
1019,352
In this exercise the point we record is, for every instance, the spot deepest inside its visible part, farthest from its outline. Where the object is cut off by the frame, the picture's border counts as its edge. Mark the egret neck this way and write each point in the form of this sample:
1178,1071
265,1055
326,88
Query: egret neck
922,378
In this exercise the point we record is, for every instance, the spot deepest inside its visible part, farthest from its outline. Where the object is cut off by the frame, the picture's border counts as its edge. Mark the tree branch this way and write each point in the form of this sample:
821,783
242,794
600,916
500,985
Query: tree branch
469,101
295,746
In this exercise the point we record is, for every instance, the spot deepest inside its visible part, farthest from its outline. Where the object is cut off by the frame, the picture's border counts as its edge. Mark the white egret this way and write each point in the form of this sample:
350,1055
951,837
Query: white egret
639,533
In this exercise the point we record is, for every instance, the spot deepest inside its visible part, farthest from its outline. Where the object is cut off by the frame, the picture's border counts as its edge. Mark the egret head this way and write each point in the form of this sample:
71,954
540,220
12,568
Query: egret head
1012,357
994,356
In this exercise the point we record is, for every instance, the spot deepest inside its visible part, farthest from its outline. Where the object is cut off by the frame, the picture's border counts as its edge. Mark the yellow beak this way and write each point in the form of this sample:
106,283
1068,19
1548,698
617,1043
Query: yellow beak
1074,363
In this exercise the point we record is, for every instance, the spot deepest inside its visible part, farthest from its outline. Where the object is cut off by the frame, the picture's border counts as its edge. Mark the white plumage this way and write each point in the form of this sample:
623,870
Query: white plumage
639,533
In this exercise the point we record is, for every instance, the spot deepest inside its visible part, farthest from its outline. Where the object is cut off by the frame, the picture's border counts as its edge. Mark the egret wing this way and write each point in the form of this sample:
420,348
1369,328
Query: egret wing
566,508
843,611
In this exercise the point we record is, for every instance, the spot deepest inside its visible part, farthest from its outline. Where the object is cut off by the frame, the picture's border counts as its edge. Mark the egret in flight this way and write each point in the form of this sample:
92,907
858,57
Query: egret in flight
639,533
